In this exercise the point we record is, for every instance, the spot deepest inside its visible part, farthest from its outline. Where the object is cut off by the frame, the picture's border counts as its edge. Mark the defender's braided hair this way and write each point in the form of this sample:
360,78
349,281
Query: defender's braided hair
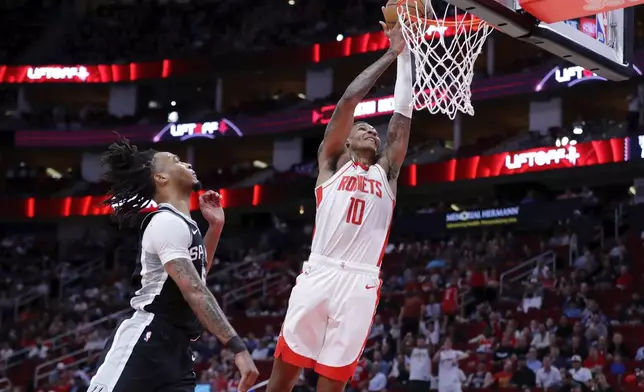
129,172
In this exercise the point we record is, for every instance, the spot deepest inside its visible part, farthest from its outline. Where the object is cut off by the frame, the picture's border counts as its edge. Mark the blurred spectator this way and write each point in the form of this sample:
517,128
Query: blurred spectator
531,300
503,379
578,372
480,378
524,377
548,376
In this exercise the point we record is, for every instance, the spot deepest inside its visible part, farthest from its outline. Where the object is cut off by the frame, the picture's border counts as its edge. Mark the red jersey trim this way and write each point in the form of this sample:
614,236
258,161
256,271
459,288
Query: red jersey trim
284,352
336,175
384,246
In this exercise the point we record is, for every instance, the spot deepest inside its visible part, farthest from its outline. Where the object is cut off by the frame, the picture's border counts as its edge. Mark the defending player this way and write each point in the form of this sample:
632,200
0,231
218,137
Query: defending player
150,350
333,302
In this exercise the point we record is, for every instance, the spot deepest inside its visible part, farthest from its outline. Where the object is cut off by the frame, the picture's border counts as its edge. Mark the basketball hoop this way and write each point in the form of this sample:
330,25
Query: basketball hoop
445,46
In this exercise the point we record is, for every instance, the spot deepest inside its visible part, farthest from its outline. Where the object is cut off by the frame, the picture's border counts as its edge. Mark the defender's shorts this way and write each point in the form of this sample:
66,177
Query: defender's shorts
329,316
145,353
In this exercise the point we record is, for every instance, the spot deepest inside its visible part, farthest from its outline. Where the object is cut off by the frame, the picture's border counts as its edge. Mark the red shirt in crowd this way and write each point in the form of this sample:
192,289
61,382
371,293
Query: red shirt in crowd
591,362
625,280
450,300
477,279
361,374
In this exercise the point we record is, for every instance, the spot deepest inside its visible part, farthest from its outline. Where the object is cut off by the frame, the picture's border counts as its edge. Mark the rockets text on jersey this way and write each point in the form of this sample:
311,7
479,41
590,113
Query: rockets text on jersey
354,212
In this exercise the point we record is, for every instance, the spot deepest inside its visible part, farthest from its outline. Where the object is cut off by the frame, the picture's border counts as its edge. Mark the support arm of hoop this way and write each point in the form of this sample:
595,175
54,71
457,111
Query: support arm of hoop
339,128
400,123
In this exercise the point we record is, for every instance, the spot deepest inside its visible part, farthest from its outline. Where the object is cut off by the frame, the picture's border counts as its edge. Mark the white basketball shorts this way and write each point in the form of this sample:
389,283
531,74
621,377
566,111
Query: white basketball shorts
329,316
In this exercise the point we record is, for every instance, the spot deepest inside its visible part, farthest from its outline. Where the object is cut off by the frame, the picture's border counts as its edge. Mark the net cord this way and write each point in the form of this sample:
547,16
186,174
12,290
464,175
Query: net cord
444,66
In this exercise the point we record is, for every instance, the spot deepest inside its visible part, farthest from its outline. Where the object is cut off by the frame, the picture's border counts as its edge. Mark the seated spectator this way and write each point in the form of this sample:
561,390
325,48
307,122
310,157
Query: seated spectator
524,376
532,362
604,277
541,339
521,347
531,300
480,378
504,351
572,310
579,373
601,384
548,376
377,381
585,261
618,251
595,362
503,379
563,329
617,367
625,279
617,347
400,369
261,352
557,360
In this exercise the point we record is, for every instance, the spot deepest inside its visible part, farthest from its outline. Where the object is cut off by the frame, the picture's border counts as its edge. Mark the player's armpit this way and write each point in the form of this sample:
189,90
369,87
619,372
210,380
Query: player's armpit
396,146
200,299
339,127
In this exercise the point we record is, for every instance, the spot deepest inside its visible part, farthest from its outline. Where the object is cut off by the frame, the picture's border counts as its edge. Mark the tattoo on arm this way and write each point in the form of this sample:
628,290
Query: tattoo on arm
200,299
339,126
397,142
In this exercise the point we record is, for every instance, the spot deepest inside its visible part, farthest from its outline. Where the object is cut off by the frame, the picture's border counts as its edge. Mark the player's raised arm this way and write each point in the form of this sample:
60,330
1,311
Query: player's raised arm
338,129
400,124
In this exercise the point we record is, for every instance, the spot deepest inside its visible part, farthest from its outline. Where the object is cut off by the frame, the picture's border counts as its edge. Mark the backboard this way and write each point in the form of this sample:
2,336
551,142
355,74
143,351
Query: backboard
572,29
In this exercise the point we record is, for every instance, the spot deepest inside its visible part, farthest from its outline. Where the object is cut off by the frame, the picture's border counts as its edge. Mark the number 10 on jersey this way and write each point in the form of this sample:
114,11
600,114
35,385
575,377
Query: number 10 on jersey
356,211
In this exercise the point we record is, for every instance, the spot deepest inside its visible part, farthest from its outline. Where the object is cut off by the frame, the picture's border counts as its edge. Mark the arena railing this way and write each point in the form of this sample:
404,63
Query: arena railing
33,294
59,341
259,286
82,356
82,271
523,270
240,268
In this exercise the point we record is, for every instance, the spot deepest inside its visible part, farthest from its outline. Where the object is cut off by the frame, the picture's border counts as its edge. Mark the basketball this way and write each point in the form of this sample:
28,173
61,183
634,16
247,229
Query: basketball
415,7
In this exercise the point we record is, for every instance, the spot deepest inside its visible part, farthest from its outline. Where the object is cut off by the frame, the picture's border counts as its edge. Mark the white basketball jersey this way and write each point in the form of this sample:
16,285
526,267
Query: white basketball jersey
354,212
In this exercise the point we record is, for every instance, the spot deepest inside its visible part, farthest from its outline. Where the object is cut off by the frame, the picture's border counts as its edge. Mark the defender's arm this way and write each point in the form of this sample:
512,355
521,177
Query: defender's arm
200,299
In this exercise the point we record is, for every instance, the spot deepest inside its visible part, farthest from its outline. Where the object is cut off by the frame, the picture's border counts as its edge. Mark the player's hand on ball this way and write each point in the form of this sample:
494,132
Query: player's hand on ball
247,369
396,40
210,206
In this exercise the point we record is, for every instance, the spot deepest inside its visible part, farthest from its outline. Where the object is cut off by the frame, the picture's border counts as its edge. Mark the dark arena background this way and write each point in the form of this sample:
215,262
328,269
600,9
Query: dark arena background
531,207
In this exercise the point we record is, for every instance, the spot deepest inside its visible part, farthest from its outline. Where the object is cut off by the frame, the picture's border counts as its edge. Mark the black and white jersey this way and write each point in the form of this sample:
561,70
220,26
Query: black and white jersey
167,234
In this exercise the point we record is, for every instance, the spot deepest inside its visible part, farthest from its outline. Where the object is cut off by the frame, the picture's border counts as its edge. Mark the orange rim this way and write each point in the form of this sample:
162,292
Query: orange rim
473,19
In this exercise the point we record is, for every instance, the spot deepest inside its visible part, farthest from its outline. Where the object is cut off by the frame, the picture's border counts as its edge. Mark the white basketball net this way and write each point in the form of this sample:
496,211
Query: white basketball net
444,47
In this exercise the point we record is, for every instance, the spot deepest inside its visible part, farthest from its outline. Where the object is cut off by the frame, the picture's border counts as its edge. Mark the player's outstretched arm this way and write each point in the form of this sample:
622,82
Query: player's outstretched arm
339,127
400,123
206,308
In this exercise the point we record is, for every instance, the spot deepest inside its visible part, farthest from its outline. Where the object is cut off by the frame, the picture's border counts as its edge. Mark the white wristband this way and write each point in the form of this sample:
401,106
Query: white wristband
403,91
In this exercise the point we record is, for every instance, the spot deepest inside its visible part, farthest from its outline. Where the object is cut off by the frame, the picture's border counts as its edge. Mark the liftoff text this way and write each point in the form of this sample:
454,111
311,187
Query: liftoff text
566,75
542,158
207,128
57,73
362,184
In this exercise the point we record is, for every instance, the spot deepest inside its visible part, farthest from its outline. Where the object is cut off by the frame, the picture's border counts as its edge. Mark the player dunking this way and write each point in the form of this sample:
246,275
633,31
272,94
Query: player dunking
150,350
334,300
